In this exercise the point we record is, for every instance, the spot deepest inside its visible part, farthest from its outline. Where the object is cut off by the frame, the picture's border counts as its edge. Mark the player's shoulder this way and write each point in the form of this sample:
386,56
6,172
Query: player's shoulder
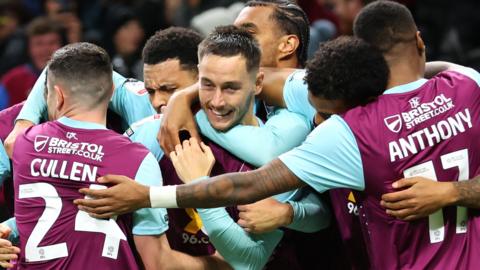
133,86
148,125
459,75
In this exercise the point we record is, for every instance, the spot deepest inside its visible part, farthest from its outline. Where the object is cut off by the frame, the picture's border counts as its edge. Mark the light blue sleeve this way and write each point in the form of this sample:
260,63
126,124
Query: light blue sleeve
145,132
310,213
329,158
130,99
35,107
239,248
5,170
259,145
295,95
14,236
149,221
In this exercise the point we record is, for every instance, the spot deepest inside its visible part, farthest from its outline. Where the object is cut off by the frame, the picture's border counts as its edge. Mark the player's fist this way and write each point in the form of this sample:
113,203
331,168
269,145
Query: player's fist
192,160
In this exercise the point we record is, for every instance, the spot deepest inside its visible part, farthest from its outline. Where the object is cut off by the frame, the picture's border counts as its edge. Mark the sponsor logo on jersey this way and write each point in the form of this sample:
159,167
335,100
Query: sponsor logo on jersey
394,123
136,87
63,147
419,113
40,142
352,204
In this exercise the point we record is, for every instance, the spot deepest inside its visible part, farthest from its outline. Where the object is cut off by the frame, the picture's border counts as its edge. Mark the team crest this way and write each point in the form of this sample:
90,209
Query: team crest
40,142
394,123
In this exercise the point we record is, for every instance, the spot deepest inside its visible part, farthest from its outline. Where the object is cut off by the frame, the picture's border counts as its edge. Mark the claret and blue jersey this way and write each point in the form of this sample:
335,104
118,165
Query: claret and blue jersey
51,162
424,128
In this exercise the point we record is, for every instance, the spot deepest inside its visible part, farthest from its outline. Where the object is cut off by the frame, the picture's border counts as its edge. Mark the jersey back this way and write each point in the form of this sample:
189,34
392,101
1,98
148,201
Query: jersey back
51,163
429,131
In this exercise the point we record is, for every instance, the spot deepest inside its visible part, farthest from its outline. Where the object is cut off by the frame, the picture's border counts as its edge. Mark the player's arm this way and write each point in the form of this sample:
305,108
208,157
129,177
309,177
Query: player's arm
130,105
304,211
178,116
156,253
240,249
130,99
259,145
329,158
150,225
435,67
419,197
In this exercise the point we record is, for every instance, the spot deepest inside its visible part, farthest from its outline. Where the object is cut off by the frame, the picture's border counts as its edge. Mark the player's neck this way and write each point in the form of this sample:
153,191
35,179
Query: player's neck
250,119
402,72
97,116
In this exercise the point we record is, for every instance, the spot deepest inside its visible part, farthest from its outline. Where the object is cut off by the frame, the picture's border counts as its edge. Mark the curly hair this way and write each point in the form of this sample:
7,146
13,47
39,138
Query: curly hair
347,69
291,20
230,41
173,43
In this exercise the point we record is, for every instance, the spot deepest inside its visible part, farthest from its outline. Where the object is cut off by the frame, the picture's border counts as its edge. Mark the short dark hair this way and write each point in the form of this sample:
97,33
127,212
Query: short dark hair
347,69
231,41
291,20
173,43
86,71
42,26
385,24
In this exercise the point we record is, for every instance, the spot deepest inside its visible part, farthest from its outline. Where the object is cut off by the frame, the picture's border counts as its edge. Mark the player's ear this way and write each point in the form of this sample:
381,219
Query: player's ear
287,47
259,82
60,97
420,43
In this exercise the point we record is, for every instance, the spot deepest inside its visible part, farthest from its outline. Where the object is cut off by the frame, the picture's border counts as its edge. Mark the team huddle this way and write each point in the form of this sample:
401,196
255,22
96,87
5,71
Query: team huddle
237,153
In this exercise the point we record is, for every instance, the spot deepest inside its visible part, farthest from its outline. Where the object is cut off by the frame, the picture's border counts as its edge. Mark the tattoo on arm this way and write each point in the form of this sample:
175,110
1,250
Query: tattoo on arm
238,188
468,192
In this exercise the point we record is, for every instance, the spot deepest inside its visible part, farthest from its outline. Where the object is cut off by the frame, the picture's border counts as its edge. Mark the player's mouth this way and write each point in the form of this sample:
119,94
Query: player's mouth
219,115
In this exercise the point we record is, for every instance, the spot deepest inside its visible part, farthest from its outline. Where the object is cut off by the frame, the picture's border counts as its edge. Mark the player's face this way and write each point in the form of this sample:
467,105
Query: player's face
41,48
165,78
326,108
346,11
258,21
227,90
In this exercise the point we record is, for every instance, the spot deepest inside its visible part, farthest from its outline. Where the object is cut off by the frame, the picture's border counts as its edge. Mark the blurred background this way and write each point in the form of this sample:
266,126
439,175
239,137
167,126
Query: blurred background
31,30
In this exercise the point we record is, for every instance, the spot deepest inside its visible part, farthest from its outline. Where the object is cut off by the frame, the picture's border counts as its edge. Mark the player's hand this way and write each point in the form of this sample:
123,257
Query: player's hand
177,116
265,215
418,197
192,160
4,231
124,197
7,252
19,128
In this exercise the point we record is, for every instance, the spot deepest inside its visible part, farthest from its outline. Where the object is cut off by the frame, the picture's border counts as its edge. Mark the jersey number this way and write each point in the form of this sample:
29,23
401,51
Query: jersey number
83,222
435,221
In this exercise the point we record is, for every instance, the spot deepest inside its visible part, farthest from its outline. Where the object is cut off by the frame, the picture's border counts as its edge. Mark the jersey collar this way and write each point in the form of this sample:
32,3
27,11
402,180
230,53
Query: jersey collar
404,88
80,124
